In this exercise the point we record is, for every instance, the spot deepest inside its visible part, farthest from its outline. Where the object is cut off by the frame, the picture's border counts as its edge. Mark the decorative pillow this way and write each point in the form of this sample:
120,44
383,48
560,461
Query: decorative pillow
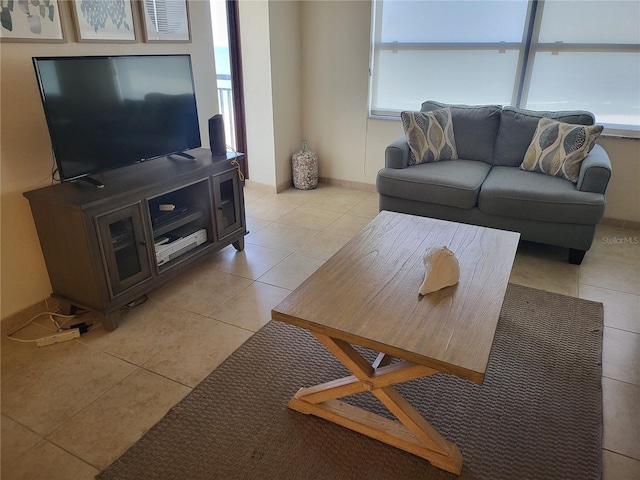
558,148
429,135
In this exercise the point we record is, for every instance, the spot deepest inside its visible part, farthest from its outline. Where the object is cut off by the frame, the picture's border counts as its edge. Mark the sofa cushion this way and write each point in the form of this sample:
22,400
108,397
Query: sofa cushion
517,127
429,135
455,182
559,148
511,192
475,128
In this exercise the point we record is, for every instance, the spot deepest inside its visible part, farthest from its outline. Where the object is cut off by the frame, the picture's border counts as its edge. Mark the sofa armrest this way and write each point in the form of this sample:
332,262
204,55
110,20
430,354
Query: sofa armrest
396,154
595,171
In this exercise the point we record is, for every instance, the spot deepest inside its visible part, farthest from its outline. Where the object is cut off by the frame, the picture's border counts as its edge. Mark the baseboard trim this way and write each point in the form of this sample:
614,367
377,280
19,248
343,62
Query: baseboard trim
365,187
13,321
615,222
284,186
267,189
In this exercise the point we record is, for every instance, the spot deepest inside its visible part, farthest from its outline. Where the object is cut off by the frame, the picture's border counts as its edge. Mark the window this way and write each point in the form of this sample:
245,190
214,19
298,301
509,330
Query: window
540,55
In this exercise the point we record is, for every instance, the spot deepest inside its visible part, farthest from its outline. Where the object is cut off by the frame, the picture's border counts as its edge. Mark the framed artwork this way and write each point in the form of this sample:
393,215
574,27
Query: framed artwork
165,20
104,20
30,21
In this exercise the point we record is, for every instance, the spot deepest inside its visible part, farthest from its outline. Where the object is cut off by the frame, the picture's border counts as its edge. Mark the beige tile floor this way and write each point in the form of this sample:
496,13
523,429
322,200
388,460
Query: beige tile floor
70,409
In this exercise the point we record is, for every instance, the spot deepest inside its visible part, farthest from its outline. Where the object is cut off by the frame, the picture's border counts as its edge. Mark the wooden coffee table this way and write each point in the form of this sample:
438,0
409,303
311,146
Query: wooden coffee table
367,295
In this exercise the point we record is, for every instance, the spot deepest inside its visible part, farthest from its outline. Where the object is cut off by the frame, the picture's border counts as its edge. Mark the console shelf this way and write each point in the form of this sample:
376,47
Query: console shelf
99,245
188,217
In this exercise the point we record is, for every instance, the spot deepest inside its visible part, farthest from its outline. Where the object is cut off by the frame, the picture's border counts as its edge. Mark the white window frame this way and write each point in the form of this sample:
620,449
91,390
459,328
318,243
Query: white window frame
527,50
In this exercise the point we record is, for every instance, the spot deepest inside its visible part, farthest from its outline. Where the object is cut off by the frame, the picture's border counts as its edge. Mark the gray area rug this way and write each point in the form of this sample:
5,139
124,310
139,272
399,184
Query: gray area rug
538,414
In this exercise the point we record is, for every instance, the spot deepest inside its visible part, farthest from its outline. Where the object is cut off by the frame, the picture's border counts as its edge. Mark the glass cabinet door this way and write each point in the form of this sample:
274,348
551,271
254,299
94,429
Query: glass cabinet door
226,189
124,247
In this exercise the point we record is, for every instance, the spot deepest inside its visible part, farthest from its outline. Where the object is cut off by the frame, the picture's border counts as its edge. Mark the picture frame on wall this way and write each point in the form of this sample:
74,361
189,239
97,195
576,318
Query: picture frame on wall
32,21
165,20
103,21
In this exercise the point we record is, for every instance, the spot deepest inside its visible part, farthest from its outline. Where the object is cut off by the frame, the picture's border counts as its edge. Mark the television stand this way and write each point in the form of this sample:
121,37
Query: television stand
91,181
105,248
181,154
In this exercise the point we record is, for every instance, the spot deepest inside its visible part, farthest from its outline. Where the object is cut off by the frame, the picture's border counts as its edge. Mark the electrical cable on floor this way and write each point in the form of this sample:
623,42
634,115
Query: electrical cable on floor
51,317
137,302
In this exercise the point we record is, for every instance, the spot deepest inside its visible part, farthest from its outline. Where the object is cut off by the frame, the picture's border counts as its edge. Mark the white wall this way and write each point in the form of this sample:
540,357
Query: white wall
258,93
286,71
272,72
335,61
623,194
25,150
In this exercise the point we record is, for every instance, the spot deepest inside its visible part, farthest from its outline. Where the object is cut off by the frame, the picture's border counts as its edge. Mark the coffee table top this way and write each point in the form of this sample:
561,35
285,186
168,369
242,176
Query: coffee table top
367,293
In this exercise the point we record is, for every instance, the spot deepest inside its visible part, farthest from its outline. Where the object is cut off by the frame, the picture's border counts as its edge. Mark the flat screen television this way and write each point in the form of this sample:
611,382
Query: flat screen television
106,112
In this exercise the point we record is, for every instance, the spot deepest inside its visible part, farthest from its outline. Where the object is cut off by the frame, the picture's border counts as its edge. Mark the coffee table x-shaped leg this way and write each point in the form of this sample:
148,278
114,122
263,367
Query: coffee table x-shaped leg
414,434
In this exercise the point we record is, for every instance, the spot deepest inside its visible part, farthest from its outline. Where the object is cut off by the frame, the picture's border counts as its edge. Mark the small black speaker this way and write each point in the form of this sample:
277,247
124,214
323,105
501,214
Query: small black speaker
217,141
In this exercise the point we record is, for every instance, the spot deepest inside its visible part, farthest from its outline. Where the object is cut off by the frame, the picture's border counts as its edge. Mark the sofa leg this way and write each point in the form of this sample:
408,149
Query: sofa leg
576,256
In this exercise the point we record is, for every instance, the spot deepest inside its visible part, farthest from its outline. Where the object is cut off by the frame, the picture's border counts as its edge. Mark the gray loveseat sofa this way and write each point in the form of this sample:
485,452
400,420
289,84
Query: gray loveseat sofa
485,185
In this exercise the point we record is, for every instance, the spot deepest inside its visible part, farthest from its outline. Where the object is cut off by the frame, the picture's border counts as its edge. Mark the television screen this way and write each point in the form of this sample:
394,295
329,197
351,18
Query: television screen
110,111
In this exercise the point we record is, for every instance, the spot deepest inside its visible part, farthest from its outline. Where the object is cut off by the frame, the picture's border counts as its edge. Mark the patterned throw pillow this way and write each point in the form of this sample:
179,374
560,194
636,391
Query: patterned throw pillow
558,148
429,135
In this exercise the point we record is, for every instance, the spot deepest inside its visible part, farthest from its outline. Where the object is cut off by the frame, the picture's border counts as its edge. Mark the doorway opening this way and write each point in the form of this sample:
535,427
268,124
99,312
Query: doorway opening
225,21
